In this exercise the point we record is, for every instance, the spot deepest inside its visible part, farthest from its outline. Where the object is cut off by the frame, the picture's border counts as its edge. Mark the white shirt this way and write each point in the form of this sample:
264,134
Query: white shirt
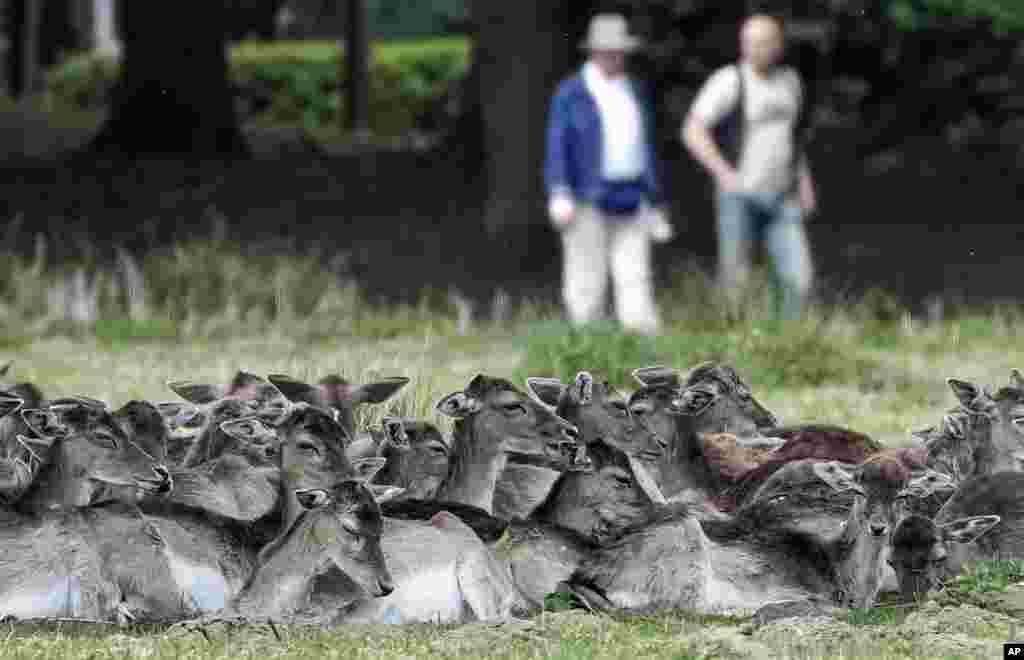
621,124
771,106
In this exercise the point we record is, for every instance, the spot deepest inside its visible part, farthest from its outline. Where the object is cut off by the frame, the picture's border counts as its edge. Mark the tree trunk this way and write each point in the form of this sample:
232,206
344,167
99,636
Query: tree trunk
357,68
174,96
27,19
517,77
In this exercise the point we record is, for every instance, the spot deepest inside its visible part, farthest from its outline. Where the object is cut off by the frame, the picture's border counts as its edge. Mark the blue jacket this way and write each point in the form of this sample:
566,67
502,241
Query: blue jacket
574,143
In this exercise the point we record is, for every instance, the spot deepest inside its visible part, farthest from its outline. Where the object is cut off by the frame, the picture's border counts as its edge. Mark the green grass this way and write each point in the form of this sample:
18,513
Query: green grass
989,576
556,349
876,616
561,602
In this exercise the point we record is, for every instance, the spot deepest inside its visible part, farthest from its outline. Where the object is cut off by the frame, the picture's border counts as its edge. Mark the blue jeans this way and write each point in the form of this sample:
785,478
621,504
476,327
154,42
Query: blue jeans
741,217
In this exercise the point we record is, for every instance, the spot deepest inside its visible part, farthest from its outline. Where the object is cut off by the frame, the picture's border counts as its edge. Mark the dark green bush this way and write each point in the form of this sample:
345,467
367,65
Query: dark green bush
297,82
1005,15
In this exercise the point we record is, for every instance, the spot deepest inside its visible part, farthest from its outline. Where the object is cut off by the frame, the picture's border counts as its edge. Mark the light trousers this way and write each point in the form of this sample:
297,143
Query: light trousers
741,217
595,246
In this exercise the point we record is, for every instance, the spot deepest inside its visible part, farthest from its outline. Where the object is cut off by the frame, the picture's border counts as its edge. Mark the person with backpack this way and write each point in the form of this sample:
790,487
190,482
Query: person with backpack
602,177
746,128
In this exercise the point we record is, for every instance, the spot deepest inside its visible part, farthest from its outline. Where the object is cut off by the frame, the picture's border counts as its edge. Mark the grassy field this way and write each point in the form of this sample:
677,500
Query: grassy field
867,364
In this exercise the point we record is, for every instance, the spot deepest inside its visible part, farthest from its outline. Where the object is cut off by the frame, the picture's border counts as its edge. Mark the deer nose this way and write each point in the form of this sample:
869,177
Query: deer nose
385,586
879,530
164,475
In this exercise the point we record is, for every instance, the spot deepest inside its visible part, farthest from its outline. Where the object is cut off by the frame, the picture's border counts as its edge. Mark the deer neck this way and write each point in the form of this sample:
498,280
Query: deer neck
287,572
475,469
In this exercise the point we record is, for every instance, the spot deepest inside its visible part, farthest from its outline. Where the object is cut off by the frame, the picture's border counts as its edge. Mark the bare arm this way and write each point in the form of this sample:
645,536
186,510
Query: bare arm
697,138
806,187
804,172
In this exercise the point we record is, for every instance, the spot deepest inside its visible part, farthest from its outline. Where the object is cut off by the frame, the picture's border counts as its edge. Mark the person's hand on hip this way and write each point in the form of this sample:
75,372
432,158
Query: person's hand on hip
658,225
562,210
808,197
728,180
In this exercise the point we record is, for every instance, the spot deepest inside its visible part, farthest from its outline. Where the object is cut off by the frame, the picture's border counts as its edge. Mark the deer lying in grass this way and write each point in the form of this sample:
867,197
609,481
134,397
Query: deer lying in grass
418,457
327,536
51,562
984,519
329,559
460,579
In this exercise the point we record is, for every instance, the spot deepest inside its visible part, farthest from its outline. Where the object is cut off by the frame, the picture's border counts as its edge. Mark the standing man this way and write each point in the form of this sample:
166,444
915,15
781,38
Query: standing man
601,174
745,128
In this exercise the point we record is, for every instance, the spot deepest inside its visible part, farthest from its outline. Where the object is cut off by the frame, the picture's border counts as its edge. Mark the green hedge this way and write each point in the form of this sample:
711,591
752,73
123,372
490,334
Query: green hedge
297,81
1005,15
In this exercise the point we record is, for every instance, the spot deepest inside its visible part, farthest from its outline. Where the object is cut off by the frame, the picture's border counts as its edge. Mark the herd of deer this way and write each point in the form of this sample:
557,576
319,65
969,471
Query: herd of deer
260,499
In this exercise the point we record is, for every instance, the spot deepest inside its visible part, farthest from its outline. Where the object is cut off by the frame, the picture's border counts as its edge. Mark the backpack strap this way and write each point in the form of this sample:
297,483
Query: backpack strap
728,132
740,93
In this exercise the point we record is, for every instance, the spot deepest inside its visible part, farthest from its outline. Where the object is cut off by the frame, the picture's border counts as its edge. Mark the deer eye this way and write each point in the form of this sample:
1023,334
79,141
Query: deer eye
623,481
103,438
619,409
307,446
515,409
1018,422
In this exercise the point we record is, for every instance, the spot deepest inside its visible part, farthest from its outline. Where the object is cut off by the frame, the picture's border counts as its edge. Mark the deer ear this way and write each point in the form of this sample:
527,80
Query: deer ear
966,530
922,437
928,481
965,392
1016,379
394,430
89,402
247,429
367,468
197,393
378,391
458,405
44,423
546,390
242,380
583,388
9,405
693,401
658,376
645,481
954,425
838,478
312,498
178,414
385,493
5,368
35,444
295,390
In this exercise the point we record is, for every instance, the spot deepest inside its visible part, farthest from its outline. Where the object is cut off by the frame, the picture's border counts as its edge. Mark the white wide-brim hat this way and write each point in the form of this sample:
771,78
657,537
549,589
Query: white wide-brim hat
610,32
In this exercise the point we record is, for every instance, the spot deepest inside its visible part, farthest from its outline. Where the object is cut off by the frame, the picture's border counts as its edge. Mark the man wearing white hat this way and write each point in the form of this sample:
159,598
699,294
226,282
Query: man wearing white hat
602,177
